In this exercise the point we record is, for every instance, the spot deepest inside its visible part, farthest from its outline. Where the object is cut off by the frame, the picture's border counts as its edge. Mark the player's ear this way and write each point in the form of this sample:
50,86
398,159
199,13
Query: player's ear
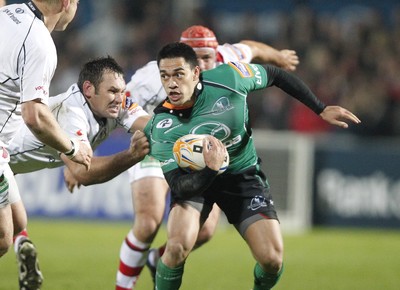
196,74
66,3
88,89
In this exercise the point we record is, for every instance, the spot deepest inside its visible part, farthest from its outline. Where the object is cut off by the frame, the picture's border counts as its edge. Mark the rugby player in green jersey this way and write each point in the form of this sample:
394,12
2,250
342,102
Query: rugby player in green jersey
214,103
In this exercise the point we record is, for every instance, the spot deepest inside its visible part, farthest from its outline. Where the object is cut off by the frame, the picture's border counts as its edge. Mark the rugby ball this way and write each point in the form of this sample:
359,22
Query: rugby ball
188,153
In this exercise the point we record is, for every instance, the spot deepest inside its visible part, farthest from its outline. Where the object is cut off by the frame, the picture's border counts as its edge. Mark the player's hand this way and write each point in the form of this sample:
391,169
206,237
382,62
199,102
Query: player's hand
84,155
214,152
139,146
338,116
70,180
289,59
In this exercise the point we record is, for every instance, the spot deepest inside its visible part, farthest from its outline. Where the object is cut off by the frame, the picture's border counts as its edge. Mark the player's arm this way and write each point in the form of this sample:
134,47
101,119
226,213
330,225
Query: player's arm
186,185
39,119
105,168
296,88
263,54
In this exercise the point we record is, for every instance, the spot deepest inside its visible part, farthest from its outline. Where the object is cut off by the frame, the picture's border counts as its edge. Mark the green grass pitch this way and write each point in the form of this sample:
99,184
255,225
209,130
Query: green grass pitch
82,255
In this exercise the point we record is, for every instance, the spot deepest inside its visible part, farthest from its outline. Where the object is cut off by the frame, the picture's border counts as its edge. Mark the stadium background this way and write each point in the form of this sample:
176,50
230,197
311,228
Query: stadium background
320,176
350,55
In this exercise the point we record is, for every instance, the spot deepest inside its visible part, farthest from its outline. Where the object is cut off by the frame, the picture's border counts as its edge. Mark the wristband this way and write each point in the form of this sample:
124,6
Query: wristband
74,150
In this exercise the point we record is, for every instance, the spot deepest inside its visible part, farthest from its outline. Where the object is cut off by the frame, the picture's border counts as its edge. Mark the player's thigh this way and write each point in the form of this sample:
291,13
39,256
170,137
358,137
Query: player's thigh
264,238
149,194
183,225
207,230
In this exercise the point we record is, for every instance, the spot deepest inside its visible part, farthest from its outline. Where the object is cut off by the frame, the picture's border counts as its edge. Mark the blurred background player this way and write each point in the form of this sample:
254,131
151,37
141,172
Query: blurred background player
28,60
89,110
148,186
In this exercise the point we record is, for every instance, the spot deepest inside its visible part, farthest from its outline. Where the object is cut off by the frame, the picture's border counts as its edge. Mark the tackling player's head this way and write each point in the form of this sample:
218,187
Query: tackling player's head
204,42
102,83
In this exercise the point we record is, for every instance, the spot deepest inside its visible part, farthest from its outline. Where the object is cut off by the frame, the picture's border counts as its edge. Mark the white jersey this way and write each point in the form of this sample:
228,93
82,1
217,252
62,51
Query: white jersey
146,89
73,114
233,52
28,60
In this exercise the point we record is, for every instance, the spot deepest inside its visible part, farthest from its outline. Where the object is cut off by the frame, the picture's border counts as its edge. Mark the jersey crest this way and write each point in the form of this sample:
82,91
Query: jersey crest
242,68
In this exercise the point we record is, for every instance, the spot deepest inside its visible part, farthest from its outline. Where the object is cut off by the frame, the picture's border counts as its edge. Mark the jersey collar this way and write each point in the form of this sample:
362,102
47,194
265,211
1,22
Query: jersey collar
179,111
35,10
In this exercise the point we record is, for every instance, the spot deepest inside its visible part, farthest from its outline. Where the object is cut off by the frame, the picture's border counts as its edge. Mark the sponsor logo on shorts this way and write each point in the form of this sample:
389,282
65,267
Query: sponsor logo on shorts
259,202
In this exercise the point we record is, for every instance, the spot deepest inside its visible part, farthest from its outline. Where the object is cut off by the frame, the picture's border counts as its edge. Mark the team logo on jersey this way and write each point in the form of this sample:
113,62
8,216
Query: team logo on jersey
259,201
216,129
166,123
221,105
242,68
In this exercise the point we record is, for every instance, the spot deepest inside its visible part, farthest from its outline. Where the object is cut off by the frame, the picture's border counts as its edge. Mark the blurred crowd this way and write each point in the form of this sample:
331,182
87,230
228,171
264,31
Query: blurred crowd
350,57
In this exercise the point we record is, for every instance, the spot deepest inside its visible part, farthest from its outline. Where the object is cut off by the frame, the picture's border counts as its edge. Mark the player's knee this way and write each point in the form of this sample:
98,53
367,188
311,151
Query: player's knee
272,261
176,252
145,229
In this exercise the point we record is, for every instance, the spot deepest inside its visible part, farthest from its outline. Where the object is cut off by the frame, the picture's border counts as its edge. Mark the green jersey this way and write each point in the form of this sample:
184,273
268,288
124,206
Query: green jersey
220,110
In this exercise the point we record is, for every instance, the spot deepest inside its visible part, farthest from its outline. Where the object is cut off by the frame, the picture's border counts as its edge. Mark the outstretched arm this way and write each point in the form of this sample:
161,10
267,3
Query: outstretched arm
263,54
44,126
105,168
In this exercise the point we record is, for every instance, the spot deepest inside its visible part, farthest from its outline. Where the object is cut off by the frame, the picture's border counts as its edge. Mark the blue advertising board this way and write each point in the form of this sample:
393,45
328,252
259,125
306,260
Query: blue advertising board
357,186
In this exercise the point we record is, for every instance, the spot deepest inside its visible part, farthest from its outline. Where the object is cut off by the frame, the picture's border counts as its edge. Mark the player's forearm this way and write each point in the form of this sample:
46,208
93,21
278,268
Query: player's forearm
44,126
102,168
263,53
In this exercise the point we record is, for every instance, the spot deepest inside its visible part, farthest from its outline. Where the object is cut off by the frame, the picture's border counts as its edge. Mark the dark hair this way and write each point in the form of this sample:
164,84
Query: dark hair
178,49
93,71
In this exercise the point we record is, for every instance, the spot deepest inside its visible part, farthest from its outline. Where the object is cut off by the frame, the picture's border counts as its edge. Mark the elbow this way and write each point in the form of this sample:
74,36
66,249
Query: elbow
30,115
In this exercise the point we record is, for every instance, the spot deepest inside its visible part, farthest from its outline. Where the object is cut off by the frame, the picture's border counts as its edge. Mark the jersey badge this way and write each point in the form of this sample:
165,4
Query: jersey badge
242,68
221,105
166,123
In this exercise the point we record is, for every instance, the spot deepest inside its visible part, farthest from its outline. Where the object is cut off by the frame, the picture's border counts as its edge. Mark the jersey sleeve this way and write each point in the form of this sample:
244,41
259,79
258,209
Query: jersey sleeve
129,113
235,52
37,68
239,76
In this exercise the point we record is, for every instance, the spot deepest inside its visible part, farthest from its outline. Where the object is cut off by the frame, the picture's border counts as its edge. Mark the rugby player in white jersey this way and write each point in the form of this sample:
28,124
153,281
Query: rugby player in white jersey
149,189
89,110
28,60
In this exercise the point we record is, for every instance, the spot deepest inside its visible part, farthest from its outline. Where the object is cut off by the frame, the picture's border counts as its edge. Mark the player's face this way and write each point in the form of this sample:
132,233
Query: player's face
67,15
178,80
107,101
206,57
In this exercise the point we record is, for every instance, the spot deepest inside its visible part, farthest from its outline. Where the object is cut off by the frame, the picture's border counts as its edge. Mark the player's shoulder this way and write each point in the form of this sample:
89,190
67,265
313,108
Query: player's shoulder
230,69
71,97
234,52
145,74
